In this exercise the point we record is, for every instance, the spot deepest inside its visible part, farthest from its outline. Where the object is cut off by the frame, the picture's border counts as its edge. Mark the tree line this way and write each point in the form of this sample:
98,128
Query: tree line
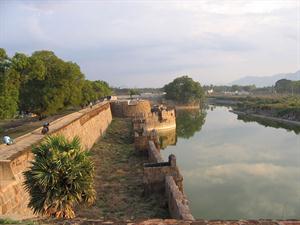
43,84
282,86
285,86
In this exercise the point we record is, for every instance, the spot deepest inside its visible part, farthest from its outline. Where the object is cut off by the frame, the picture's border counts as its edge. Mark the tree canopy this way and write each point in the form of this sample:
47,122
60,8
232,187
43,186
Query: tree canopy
43,84
184,90
287,86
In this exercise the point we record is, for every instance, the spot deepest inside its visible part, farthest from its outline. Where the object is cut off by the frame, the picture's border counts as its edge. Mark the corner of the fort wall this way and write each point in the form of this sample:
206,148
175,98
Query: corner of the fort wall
130,108
87,124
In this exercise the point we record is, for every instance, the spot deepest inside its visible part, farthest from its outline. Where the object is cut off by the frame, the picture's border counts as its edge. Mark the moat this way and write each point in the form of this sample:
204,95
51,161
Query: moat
236,168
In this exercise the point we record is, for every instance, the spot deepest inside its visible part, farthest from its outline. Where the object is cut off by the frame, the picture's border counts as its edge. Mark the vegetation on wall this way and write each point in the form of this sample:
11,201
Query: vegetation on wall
184,90
43,84
61,177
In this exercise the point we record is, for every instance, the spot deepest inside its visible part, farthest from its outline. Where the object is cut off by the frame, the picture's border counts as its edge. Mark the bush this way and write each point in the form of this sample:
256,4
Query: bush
60,177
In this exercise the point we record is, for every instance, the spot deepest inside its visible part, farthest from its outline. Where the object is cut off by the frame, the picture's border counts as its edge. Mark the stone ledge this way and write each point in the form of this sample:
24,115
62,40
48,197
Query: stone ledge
177,202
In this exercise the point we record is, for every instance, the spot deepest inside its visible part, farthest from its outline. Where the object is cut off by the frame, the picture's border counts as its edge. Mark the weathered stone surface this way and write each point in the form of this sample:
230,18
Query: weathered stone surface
130,108
87,124
154,155
177,202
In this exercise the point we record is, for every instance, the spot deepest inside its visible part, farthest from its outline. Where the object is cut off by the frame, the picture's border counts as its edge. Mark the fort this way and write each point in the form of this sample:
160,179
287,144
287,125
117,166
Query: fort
159,176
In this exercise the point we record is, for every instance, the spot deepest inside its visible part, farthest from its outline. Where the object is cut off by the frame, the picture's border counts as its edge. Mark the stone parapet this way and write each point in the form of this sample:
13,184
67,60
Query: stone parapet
154,155
177,202
163,177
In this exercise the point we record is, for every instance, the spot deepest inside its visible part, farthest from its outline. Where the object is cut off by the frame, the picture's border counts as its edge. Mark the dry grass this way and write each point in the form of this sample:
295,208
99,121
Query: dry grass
118,179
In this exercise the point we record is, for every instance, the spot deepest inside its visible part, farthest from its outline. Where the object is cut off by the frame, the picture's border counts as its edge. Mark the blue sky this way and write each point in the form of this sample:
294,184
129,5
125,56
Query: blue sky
149,43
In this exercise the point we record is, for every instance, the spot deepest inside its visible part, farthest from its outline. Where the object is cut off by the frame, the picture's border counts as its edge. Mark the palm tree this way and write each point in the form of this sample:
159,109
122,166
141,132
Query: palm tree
61,176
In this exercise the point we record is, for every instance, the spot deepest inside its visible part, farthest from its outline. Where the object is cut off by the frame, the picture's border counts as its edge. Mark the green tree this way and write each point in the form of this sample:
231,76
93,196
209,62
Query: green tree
101,89
132,92
184,90
61,176
88,93
43,84
9,86
51,84
283,86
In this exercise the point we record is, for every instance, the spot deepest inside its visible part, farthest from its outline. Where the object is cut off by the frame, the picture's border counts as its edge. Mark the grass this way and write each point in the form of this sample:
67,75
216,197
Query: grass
11,221
119,178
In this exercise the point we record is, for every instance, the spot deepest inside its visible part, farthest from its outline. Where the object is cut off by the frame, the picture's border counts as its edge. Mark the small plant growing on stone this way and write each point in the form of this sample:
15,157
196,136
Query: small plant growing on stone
60,177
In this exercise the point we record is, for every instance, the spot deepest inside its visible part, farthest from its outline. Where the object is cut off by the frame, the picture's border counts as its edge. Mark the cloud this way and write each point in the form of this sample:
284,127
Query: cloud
212,41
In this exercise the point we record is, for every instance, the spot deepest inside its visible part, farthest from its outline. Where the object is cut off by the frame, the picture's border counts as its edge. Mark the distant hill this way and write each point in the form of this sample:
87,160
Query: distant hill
266,80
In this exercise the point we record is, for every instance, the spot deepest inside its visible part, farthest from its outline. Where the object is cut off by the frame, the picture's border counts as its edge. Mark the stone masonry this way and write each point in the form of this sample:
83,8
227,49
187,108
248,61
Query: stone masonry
88,124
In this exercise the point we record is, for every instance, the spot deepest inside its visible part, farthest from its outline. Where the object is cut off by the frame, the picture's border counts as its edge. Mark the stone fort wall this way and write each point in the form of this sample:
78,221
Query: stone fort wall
88,124
130,108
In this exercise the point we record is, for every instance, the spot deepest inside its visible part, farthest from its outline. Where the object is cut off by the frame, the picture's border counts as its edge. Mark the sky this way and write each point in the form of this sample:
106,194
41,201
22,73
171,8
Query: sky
149,43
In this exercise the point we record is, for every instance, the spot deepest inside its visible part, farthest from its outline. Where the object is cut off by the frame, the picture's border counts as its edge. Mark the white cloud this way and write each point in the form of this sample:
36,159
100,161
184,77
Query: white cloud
213,41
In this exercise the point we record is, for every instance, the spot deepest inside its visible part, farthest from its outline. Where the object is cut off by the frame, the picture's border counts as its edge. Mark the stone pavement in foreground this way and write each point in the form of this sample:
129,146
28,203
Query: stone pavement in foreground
172,222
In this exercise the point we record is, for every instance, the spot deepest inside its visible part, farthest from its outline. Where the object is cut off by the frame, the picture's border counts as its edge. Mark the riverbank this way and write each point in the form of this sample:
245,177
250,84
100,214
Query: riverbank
119,179
284,109
285,121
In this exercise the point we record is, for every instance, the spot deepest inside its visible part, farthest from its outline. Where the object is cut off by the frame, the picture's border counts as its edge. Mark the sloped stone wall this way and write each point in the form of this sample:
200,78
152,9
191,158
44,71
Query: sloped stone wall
88,124
130,108
177,202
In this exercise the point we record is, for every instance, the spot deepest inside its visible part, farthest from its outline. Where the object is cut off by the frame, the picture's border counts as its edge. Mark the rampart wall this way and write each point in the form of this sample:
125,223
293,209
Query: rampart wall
143,118
88,124
130,108
163,177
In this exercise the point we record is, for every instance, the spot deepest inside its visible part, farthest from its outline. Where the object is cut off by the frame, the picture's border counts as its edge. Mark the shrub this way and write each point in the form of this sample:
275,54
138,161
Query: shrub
60,177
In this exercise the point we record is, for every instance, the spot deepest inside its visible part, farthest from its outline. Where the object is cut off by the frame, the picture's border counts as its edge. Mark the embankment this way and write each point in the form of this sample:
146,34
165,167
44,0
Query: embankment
88,124
271,118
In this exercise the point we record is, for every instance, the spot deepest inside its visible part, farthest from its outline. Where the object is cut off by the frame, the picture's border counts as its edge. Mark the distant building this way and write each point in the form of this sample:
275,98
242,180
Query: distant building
210,91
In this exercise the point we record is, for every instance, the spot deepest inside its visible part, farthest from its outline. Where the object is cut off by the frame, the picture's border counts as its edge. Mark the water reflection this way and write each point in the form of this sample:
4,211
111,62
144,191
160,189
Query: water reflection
269,123
167,138
188,122
235,170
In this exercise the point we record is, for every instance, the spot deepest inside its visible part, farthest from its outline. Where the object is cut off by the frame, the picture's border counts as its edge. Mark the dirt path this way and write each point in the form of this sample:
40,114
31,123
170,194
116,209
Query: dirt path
119,177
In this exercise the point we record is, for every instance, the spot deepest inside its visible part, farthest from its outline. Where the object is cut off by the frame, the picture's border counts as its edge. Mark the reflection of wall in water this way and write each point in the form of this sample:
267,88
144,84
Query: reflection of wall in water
167,138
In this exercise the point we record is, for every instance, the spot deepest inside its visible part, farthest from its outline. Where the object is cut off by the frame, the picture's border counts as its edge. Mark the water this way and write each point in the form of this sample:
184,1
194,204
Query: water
236,169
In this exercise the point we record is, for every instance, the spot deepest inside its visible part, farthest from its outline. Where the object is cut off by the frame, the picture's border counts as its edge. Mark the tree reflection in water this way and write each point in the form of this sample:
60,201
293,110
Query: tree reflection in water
167,138
188,122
